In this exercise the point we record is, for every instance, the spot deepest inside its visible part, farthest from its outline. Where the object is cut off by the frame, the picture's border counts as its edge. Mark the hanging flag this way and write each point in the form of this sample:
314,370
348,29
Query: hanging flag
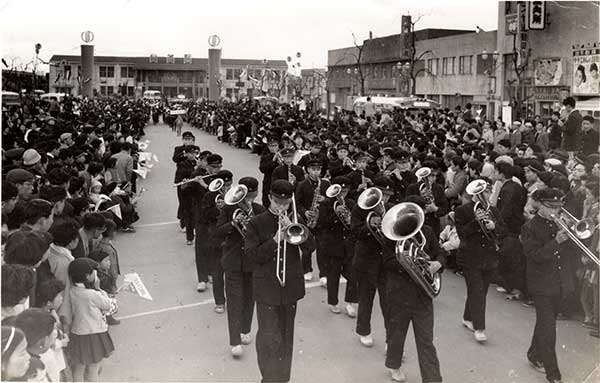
116,209
133,281
57,78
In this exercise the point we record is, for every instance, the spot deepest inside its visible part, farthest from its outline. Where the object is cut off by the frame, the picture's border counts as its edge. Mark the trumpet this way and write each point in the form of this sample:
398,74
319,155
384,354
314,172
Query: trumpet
188,180
295,234
403,224
240,216
350,163
578,231
216,185
339,207
372,199
482,208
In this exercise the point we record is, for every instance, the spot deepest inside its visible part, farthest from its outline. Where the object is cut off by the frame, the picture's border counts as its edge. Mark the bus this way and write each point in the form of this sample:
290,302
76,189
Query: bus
152,95
388,104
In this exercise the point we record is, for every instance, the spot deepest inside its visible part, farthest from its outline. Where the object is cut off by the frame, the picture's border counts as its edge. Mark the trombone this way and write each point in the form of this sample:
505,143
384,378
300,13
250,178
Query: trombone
187,181
240,216
294,234
579,231
216,185
372,199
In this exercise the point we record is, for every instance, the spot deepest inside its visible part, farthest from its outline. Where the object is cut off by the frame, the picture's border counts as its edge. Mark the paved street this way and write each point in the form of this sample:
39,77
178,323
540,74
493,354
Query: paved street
179,337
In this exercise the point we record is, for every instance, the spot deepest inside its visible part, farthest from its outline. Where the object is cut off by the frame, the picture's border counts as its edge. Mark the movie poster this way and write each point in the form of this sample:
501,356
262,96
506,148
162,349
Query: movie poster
586,61
548,72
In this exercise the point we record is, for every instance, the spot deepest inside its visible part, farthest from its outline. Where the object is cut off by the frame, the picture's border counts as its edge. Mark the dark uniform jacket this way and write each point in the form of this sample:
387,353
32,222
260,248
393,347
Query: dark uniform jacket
333,236
548,271
266,167
367,251
400,186
572,132
511,203
305,192
589,142
337,168
261,250
439,198
355,181
476,251
233,258
209,213
179,156
184,170
281,173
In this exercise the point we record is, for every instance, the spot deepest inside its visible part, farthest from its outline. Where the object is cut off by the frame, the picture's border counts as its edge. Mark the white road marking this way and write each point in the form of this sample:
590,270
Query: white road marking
157,224
309,285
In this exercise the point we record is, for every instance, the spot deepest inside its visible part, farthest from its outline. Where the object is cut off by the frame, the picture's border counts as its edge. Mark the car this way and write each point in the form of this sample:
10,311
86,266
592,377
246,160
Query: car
10,99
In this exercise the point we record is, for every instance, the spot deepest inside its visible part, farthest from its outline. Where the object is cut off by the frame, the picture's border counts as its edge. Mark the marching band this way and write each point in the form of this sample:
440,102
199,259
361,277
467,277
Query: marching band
373,219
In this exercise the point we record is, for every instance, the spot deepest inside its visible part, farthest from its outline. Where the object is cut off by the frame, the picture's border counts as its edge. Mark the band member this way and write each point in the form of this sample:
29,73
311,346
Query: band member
211,209
276,304
547,278
367,264
309,194
478,256
336,240
238,268
361,178
433,194
408,303
213,162
316,153
179,155
184,171
343,165
398,170
288,171
268,162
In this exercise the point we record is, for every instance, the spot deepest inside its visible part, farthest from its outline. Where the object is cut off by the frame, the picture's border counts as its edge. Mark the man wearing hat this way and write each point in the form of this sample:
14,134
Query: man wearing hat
179,155
589,136
367,262
268,162
336,240
184,171
288,171
309,194
548,278
361,177
211,206
276,301
316,152
238,268
341,166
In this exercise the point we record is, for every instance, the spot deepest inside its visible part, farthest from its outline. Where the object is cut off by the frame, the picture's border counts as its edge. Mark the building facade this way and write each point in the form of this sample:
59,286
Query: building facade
313,86
170,75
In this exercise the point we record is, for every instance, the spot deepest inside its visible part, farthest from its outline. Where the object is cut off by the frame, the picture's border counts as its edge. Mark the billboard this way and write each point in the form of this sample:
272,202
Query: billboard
586,61
548,72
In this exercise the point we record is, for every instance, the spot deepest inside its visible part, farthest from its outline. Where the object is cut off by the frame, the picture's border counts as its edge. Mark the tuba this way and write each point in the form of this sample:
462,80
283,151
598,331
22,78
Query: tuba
294,234
372,199
425,188
403,224
339,207
216,185
482,208
240,216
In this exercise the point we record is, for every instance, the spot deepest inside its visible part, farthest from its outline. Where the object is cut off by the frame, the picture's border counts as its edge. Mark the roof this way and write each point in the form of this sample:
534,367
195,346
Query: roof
144,62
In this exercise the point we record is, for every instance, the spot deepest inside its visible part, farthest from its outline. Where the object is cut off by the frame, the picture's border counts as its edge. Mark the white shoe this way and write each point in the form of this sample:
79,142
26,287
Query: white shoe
201,287
397,375
468,324
480,336
182,229
210,279
501,289
308,276
343,280
334,309
351,310
323,282
366,341
246,338
220,309
237,351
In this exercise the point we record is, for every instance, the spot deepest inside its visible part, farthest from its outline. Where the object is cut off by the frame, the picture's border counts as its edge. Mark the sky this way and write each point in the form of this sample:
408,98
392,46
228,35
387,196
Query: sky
257,29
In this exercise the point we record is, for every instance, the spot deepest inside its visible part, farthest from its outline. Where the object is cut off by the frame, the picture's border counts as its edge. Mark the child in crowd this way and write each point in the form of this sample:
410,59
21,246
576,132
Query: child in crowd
15,358
50,299
39,327
108,282
90,341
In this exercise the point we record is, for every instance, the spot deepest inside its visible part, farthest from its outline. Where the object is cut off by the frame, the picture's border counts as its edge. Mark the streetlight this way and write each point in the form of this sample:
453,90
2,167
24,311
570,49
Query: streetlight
38,46
491,72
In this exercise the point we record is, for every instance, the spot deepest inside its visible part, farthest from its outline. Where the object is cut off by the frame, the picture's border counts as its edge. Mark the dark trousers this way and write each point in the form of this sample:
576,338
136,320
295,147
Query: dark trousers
512,266
275,341
341,266
368,284
477,281
408,304
322,260
240,304
217,272
543,342
201,247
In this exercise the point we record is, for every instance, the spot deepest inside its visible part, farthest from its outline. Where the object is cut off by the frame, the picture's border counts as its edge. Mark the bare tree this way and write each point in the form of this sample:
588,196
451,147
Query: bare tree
414,58
359,68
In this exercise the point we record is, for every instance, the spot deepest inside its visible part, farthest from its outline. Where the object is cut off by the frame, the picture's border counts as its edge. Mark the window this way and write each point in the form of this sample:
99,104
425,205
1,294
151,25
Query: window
201,77
432,66
107,71
127,72
228,92
110,90
465,64
229,74
67,71
170,59
130,91
448,65
102,90
236,74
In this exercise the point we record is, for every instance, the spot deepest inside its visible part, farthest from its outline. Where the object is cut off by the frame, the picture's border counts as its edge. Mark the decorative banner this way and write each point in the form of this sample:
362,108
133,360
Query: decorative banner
548,72
116,209
586,60
177,112
133,283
